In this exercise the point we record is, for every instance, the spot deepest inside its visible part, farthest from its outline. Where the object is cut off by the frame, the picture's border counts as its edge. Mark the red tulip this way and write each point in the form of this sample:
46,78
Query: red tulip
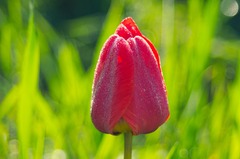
129,92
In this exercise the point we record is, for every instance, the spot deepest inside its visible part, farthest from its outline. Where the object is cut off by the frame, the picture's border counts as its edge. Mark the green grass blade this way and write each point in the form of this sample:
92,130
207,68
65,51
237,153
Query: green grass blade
28,87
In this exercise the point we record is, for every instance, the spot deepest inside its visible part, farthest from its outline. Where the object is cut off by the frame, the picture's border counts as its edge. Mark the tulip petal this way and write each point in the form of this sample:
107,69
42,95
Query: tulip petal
112,88
149,109
155,53
128,29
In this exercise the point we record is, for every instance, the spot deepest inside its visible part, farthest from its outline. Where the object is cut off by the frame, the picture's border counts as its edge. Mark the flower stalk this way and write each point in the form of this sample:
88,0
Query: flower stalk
127,145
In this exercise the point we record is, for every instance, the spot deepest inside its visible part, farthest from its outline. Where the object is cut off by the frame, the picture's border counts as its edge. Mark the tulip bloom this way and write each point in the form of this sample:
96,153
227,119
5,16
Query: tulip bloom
129,93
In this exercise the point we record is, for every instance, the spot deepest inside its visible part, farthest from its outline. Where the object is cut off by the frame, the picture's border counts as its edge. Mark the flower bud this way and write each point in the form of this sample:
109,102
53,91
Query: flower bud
129,92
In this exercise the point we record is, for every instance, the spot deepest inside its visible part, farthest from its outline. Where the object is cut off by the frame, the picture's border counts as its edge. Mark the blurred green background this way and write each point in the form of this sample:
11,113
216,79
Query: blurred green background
48,53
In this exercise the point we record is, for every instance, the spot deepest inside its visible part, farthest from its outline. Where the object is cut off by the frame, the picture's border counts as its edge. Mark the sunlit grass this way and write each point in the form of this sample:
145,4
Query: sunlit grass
45,91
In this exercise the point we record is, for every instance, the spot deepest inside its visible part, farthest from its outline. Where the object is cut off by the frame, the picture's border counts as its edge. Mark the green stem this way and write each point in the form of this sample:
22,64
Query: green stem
127,145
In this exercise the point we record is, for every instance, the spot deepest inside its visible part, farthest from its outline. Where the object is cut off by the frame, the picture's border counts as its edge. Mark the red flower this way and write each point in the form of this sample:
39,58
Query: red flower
129,93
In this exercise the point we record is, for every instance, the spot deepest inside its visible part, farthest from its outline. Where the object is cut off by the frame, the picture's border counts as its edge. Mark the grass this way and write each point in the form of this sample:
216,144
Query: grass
45,90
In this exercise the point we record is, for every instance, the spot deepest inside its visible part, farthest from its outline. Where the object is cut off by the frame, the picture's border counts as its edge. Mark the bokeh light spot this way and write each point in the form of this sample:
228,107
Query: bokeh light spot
229,7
